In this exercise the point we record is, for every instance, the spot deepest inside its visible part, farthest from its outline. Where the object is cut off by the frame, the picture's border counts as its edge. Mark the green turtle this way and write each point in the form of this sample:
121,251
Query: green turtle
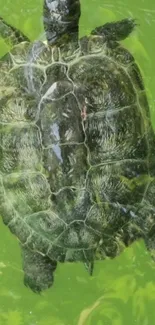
77,146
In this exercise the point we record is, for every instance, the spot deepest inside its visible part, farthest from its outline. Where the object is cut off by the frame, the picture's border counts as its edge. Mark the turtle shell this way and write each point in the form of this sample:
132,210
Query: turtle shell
76,148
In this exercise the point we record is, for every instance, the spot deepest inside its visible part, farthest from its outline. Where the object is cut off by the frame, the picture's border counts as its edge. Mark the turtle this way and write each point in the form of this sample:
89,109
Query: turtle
77,145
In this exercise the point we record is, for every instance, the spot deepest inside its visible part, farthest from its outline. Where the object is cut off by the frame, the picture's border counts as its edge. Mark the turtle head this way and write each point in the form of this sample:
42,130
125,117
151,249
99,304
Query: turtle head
61,20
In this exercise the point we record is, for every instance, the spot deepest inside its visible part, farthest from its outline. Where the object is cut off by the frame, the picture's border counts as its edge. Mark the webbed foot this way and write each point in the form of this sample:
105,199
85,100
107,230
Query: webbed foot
38,270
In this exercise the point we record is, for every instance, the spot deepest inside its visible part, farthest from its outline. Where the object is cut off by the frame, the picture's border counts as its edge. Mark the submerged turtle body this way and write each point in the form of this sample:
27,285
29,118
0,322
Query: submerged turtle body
76,151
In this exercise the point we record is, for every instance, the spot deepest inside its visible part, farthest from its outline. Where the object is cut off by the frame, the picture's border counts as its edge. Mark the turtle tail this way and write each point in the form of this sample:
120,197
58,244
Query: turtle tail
61,20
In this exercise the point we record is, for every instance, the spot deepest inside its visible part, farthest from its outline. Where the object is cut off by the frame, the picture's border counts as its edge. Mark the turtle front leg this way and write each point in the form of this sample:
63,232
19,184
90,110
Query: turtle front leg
115,31
38,270
10,34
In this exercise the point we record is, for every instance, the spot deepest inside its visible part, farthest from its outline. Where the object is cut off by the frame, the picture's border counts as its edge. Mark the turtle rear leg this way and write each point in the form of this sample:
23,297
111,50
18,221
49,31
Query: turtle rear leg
38,270
146,218
149,232
115,31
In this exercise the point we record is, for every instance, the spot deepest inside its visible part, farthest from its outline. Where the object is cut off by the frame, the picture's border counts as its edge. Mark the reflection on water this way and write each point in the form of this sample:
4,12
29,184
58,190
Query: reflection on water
86,312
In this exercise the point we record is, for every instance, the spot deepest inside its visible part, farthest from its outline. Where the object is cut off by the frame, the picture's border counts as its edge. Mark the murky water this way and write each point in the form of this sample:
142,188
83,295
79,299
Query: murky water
121,291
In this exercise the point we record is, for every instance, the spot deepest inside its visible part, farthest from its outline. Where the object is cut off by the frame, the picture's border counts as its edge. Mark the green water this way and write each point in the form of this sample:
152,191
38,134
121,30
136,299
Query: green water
121,291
